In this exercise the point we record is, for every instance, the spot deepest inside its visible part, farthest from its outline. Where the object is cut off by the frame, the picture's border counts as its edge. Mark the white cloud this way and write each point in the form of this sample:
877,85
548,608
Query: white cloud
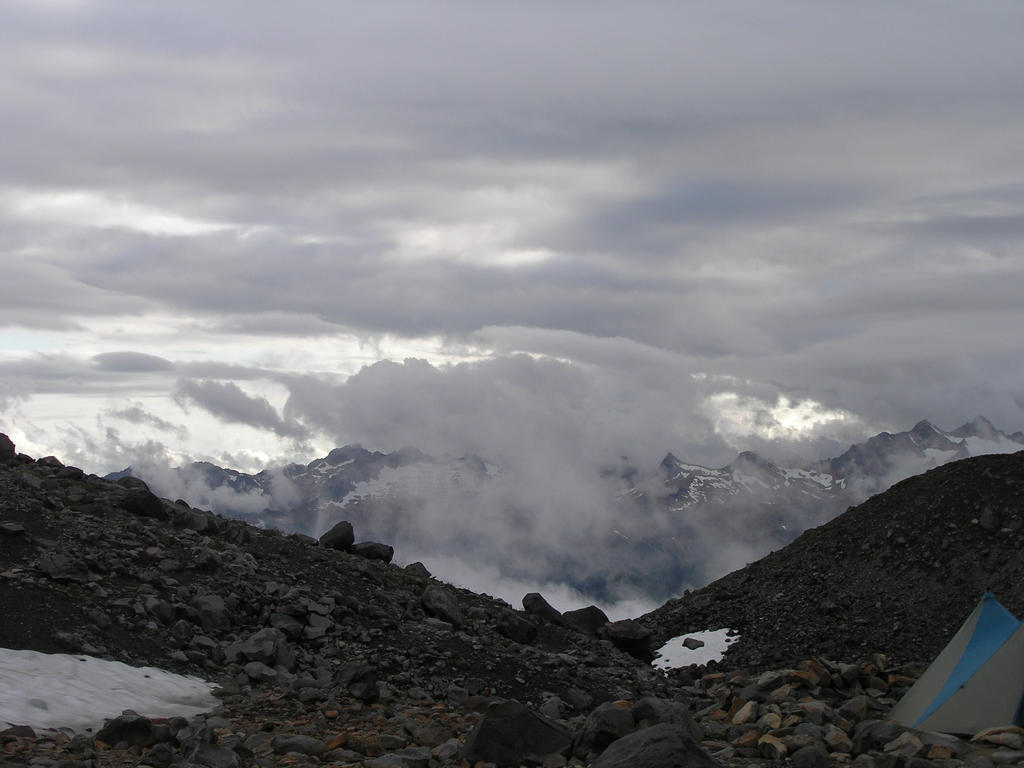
82,208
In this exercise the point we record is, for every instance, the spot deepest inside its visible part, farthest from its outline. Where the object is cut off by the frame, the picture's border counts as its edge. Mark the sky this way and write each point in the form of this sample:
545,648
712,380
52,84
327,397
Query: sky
551,234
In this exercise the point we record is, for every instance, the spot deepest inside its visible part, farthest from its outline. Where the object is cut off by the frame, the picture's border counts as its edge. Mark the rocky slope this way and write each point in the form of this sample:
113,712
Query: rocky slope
896,574
329,654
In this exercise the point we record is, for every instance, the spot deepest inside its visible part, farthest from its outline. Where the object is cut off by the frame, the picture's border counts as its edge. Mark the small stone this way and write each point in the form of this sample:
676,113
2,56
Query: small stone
810,757
905,745
296,742
259,672
745,714
771,747
412,757
1006,756
837,740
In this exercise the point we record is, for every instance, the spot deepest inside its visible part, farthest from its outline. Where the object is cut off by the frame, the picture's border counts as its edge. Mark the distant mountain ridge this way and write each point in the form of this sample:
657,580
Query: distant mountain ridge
670,527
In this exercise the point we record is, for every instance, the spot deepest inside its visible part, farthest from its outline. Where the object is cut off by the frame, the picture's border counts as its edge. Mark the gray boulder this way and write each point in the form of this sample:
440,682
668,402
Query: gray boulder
144,503
361,680
61,567
535,603
213,613
284,743
417,569
515,627
586,621
212,756
651,710
660,746
439,602
373,550
630,636
134,730
267,645
410,757
604,725
341,536
7,453
509,735
811,756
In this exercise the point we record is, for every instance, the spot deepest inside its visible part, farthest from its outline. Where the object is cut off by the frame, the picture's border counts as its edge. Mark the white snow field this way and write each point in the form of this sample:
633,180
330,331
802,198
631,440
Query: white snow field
674,654
56,690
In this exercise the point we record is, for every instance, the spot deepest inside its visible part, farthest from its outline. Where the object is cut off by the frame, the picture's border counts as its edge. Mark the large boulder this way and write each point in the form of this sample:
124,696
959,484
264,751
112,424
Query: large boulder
134,730
660,746
515,627
535,603
212,612
373,550
604,725
509,735
7,452
586,621
631,637
341,536
651,710
442,604
144,503
361,680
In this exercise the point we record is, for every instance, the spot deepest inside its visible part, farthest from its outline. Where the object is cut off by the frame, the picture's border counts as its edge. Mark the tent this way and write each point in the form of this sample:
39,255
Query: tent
976,682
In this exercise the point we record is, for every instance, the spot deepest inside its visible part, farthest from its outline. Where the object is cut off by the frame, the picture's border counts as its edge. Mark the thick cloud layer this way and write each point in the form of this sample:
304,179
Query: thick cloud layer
589,230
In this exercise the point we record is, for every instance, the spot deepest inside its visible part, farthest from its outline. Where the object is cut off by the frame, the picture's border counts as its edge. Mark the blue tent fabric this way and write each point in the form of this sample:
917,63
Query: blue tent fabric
995,626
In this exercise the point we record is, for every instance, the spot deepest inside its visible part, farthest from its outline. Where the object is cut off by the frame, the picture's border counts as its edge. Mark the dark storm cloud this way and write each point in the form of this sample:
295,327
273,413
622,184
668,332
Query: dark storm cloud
131,362
658,223
983,229
136,414
228,402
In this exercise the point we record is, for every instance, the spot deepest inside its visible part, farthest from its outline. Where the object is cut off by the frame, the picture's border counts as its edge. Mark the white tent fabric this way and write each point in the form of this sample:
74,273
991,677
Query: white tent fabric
976,682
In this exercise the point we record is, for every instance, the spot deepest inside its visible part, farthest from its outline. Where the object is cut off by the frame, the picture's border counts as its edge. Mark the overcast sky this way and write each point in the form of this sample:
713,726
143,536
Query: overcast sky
250,231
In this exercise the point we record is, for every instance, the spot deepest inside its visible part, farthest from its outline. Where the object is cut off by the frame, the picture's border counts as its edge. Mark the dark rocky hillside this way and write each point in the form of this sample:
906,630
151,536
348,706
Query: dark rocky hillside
896,574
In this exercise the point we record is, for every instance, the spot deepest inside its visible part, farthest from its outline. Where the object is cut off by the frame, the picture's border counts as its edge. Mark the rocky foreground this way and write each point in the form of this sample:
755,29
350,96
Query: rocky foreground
329,654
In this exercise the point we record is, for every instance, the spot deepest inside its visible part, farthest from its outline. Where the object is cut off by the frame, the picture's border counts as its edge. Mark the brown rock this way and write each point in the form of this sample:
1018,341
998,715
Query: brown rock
771,747
905,745
745,714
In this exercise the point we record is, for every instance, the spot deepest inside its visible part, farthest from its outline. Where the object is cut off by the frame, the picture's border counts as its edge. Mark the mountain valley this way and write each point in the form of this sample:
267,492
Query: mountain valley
653,531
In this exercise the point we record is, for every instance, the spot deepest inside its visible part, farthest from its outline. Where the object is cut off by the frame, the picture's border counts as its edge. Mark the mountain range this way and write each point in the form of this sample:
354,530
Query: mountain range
655,532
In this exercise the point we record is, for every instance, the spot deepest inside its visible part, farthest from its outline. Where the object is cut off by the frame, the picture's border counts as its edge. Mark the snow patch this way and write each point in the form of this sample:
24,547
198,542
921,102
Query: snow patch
821,478
979,446
57,690
674,654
